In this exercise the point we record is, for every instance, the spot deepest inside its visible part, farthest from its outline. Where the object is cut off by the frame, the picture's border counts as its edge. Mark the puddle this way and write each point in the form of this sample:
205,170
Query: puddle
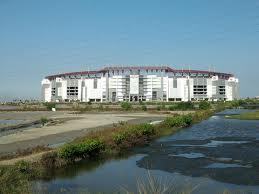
156,122
16,129
56,145
10,122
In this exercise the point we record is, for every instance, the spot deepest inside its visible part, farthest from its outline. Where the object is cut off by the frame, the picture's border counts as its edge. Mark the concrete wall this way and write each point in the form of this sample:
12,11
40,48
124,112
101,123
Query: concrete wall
147,87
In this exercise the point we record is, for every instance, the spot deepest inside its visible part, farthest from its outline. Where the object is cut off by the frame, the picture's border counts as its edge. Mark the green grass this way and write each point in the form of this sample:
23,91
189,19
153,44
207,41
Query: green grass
245,116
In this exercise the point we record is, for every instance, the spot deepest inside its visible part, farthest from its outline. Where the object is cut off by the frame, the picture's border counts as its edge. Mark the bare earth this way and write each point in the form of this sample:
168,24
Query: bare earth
75,126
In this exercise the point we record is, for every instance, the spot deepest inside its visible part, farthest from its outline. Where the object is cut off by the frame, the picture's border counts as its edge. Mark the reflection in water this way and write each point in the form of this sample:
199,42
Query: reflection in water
224,165
216,154
212,143
189,155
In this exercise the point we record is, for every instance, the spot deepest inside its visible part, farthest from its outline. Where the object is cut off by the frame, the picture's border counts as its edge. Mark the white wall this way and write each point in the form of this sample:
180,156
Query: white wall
115,82
178,92
87,92
153,82
91,92
46,90
134,84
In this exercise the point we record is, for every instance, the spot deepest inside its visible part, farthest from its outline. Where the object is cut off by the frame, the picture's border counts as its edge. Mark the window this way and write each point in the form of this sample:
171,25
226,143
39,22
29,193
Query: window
95,83
154,95
200,90
175,83
72,91
222,90
53,91
113,96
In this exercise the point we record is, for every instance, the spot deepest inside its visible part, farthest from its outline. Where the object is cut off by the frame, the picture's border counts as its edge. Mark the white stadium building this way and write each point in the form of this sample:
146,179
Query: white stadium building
139,83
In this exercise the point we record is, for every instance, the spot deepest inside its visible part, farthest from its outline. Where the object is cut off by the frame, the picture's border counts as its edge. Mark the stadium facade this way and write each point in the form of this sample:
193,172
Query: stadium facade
140,83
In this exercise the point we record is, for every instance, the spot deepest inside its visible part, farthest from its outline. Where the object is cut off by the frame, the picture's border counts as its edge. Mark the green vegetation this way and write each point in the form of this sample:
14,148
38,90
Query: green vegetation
17,178
144,107
181,106
245,116
244,103
134,106
50,160
44,120
50,105
179,121
100,107
171,108
204,105
12,180
131,133
87,148
126,106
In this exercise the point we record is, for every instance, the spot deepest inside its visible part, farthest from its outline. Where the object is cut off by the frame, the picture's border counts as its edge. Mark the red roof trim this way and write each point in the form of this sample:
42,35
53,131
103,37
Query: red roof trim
166,68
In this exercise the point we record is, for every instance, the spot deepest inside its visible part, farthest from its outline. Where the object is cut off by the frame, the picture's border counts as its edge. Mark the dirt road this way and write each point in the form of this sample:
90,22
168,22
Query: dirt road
75,126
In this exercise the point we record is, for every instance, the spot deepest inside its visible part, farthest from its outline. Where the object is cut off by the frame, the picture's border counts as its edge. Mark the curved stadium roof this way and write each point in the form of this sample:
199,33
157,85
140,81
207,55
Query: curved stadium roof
182,72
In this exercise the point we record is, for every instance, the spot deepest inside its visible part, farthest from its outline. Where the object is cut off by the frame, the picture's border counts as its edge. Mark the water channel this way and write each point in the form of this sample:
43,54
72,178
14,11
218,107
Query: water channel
213,156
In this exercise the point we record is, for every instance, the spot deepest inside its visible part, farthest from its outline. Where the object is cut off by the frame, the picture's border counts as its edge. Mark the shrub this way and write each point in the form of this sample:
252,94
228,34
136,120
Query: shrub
163,106
179,121
84,149
146,129
68,152
49,159
43,120
122,123
141,103
22,166
160,107
118,138
184,106
171,107
204,105
200,115
131,133
188,120
50,105
100,107
126,106
144,107
13,181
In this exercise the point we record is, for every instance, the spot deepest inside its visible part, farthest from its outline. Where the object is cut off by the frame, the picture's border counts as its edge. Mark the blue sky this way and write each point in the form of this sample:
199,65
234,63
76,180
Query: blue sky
38,38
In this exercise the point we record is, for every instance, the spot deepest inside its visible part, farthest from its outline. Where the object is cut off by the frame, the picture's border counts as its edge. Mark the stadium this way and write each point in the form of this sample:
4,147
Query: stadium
140,83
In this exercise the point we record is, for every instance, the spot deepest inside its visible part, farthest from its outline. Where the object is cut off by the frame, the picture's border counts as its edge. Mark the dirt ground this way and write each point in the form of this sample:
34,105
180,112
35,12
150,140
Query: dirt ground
75,126
23,117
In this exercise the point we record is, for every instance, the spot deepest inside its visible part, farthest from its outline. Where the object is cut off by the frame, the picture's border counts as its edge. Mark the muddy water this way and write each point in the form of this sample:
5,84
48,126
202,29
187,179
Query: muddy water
215,155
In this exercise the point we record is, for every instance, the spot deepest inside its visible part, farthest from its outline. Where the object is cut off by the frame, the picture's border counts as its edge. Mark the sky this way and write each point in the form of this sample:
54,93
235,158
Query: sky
40,38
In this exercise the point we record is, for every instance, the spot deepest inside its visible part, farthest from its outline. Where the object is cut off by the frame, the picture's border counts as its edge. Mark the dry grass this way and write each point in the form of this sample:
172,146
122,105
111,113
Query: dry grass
159,185
163,185
25,152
